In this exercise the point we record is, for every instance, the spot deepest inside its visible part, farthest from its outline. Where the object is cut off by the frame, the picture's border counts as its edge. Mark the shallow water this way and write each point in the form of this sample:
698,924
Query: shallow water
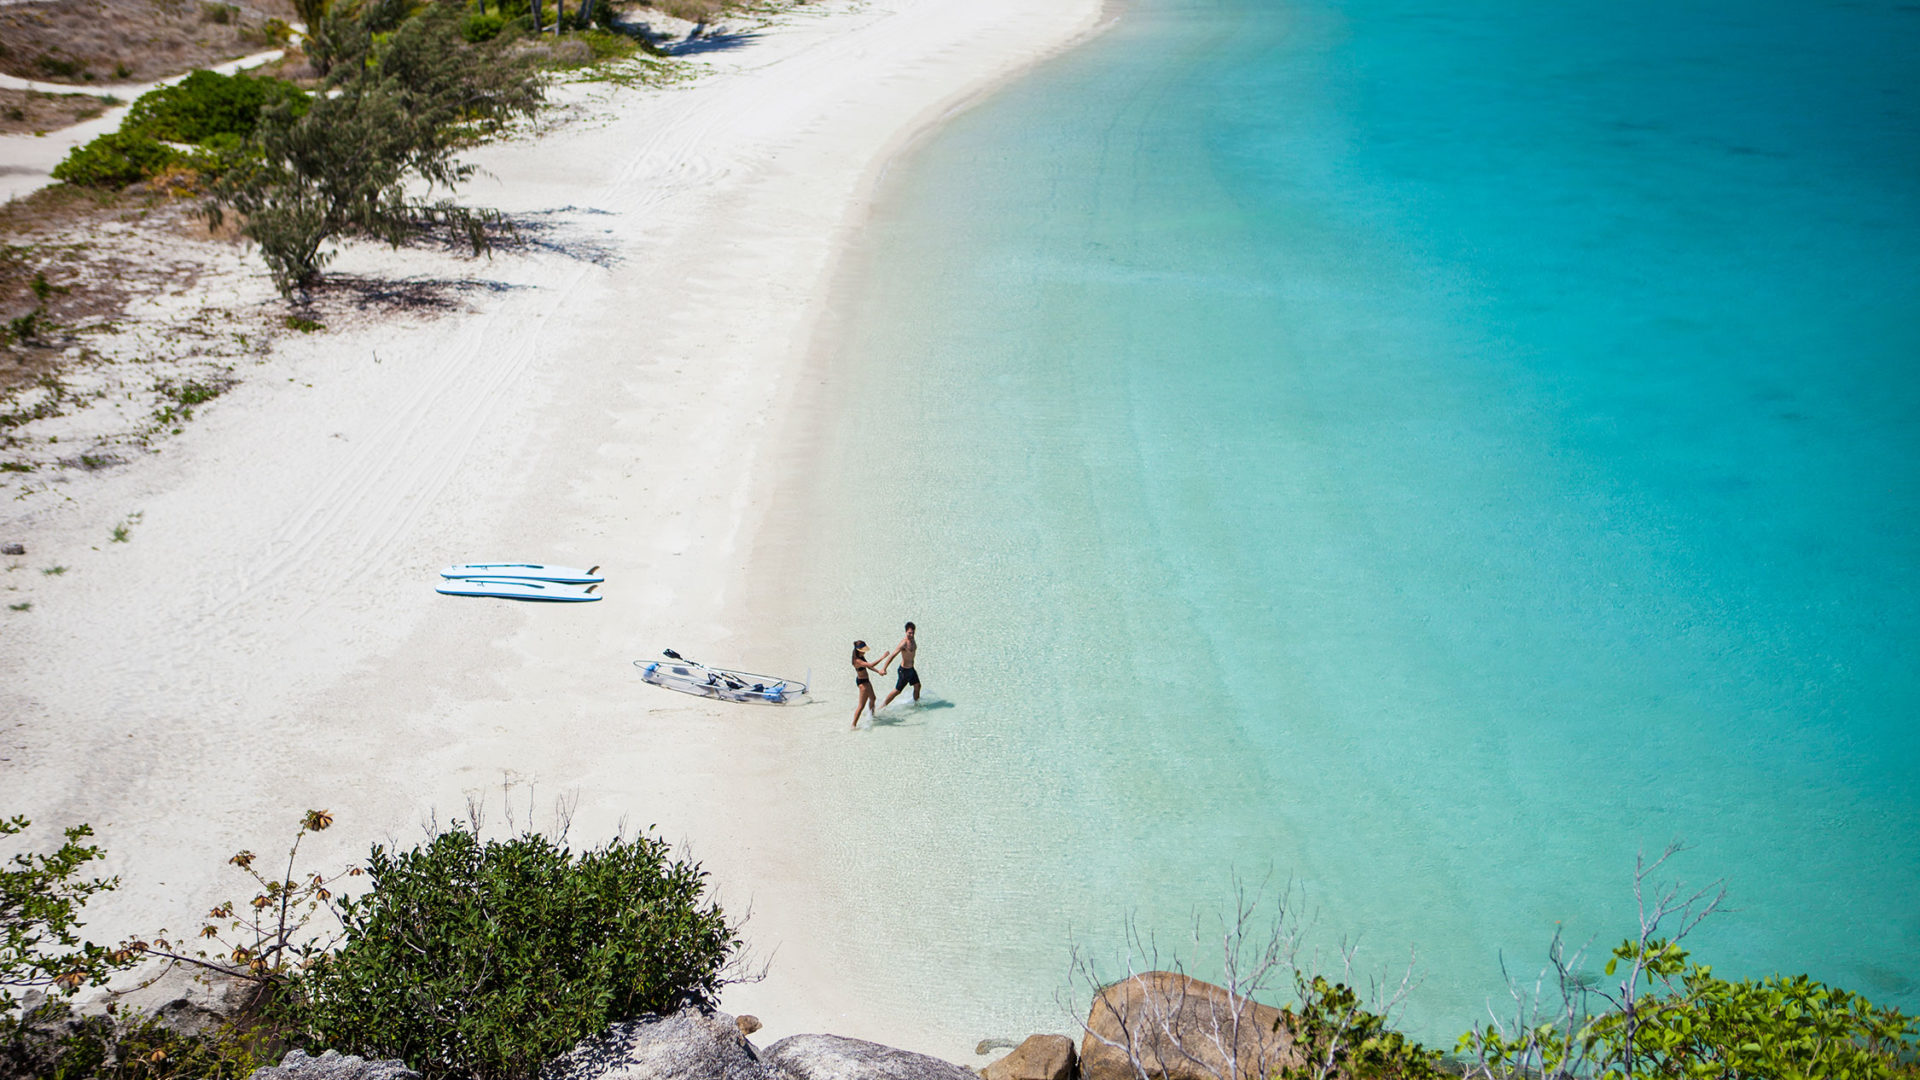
1426,453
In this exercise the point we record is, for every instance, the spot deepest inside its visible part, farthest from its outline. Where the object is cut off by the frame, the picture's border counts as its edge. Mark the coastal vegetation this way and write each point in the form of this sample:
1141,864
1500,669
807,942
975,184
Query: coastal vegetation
486,958
87,43
404,92
104,305
465,955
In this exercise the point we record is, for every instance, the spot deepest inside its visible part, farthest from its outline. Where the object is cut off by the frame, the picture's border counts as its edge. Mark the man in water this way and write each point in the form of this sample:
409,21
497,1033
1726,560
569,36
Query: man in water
904,651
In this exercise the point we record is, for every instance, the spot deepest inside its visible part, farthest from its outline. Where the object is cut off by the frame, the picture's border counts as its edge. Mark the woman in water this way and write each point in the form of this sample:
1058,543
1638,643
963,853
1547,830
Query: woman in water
861,667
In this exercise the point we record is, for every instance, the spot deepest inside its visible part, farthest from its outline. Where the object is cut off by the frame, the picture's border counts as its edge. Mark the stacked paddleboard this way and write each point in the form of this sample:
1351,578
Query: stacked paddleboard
521,581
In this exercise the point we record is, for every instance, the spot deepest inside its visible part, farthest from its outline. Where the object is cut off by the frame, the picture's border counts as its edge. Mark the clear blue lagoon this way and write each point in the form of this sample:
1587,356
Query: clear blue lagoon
1428,452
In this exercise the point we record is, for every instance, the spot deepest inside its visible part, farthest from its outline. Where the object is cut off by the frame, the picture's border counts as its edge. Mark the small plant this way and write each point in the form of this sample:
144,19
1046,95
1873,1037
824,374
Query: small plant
45,291
123,532
305,326
15,466
56,67
266,942
121,1046
40,901
91,462
54,571
24,328
24,605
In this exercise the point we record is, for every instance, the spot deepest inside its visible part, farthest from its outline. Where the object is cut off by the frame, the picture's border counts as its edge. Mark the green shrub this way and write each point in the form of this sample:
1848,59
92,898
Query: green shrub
1681,1021
115,160
1338,1037
482,26
484,959
205,105
40,901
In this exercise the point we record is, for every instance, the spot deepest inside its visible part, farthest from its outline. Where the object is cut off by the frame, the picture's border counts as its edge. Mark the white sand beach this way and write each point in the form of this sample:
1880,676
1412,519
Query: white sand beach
267,639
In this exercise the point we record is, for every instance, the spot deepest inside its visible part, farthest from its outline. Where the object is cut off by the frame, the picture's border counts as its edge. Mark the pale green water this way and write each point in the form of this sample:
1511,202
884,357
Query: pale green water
1428,453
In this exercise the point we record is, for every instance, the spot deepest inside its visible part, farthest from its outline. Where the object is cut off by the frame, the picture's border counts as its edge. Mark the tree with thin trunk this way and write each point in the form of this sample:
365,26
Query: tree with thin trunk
405,93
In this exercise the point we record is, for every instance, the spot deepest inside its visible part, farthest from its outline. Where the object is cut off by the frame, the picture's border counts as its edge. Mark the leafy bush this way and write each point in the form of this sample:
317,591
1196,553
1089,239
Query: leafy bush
218,113
484,959
1668,1019
482,26
205,105
115,160
40,901
1338,1037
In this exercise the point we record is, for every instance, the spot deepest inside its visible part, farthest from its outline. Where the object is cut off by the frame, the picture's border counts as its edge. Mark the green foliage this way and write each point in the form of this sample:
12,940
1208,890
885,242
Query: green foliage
43,290
1688,1023
40,901
51,1042
483,26
217,113
204,105
1780,1028
183,397
409,90
23,328
1338,1037
115,160
484,959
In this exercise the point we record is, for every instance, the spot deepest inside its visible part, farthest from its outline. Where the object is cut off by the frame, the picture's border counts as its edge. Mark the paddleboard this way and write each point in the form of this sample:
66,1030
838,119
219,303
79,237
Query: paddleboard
524,570
519,589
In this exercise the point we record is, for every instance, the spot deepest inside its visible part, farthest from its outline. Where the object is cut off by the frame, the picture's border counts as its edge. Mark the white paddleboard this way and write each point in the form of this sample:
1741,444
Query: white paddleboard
519,589
524,570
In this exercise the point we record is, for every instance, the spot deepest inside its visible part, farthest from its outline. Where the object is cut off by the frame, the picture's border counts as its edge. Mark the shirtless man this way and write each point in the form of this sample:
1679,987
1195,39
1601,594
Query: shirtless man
904,651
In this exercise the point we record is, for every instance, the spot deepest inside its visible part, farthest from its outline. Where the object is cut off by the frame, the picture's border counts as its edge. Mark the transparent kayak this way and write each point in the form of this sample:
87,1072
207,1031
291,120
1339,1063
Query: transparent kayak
689,677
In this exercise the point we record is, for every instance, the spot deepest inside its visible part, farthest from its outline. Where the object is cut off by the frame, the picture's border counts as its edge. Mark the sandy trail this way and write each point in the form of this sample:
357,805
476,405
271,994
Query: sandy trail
268,640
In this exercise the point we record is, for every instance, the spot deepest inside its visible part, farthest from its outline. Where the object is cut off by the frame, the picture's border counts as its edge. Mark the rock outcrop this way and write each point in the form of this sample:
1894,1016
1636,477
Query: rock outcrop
1041,1057
1180,1029
334,1065
832,1057
688,1045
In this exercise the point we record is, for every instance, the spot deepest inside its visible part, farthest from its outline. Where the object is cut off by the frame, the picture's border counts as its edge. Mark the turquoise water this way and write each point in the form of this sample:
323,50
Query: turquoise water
1425,452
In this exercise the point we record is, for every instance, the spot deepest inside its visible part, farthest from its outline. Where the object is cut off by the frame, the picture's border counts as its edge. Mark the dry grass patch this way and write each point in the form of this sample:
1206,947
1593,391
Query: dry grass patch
109,41
22,111
136,317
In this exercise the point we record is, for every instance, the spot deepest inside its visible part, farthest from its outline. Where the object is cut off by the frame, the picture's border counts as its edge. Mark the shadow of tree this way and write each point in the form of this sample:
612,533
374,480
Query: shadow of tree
714,42
399,295
557,231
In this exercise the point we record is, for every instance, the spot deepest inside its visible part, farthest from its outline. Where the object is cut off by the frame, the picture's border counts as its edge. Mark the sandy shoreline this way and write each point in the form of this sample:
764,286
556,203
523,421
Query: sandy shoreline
268,640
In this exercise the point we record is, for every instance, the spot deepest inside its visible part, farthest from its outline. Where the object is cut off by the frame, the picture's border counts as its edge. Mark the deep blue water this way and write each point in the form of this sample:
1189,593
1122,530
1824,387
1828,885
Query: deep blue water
1428,452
